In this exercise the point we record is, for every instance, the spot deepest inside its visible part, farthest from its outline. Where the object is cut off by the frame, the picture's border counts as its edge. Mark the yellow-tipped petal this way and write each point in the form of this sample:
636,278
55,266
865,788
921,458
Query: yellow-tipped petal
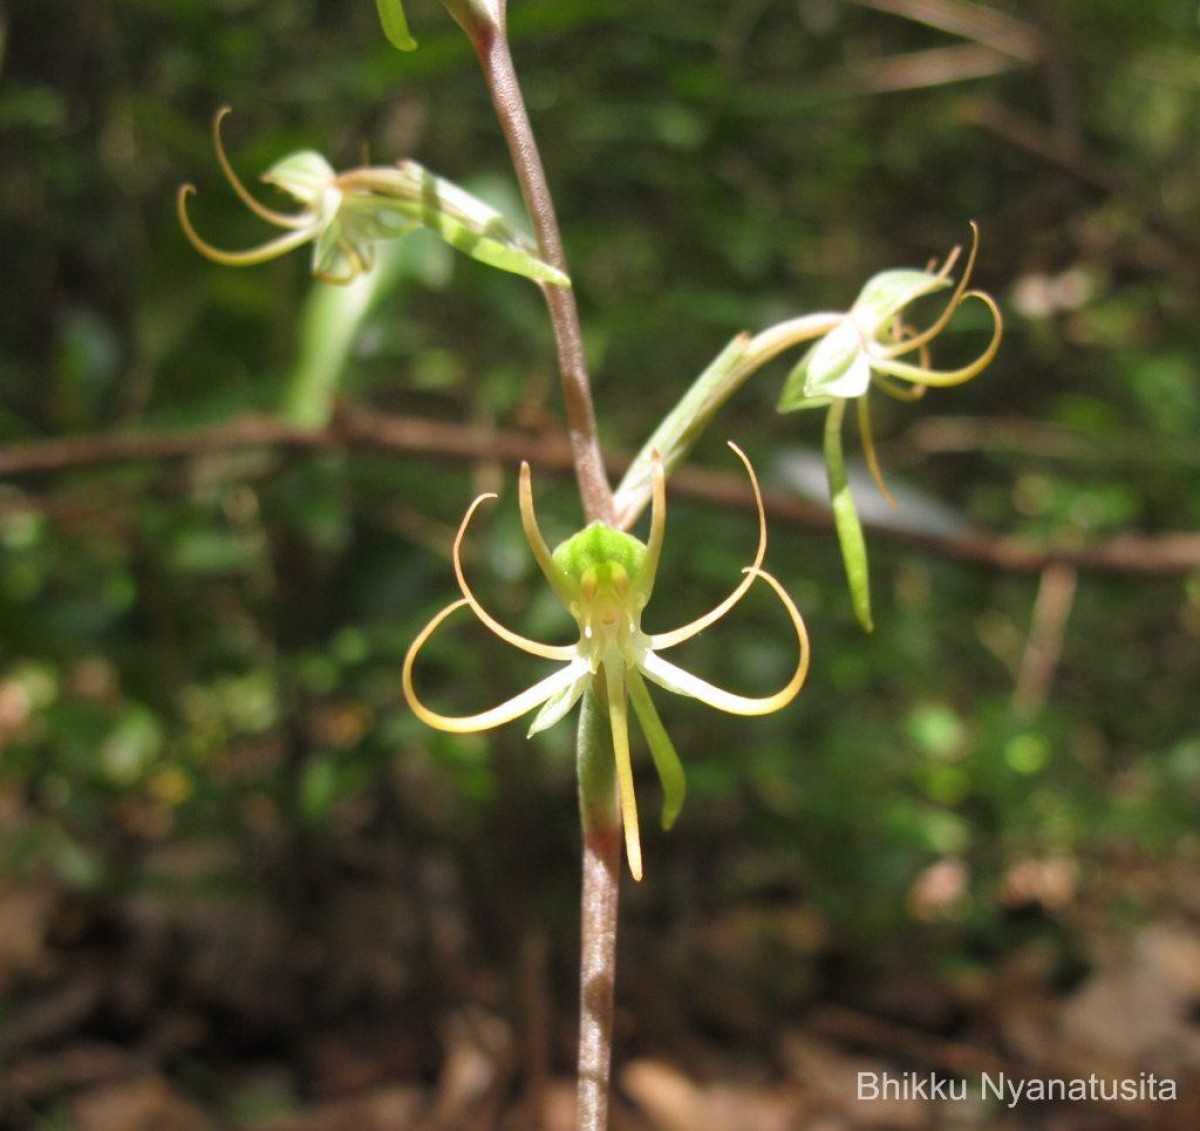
281,219
510,709
684,683
545,651
269,250
537,544
929,333
664,640
868,443
658,525
943,378
618,716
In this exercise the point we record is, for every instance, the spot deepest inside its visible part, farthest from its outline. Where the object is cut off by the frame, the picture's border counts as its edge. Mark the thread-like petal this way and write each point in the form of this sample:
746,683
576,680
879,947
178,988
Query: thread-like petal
960,291
684,683
533,535
251,256
663,640
644,583
942,378
280,219
545,651
867,435
618,716
510,709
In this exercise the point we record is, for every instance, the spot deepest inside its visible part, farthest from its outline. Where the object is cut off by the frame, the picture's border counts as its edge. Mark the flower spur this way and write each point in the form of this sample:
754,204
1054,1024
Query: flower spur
605,578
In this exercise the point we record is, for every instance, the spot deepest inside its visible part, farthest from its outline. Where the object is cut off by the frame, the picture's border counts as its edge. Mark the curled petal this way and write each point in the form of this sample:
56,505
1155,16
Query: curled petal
511,709
663,640
618,716
545,651
280,219
533,535
942,378
960,292
260,254
684,683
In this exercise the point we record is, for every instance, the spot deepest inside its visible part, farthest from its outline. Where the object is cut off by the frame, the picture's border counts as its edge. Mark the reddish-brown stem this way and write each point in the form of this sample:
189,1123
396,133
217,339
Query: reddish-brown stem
601,890
594,489
597,973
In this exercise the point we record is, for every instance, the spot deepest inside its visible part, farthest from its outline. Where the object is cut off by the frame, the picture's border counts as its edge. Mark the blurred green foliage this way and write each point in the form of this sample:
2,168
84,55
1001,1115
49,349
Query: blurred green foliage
210,647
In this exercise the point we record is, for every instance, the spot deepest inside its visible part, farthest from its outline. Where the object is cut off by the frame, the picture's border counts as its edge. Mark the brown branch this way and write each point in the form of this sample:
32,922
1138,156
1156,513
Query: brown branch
359,428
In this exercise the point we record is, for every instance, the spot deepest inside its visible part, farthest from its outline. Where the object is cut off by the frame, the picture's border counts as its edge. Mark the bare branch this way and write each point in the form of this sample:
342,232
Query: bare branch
359,428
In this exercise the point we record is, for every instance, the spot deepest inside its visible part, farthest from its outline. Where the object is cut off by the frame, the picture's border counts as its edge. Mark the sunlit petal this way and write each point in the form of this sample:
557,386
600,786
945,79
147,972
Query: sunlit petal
942,378
559,705
280,219
662,749
533,535
546,651
511,709
960,291
684,683
618,716
663,640
269,250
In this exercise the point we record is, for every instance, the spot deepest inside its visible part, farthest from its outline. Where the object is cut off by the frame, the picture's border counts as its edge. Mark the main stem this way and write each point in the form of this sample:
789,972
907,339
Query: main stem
496,60
597,788
601,887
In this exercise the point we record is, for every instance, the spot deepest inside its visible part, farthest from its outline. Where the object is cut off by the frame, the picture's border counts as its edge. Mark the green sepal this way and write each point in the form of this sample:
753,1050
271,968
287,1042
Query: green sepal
886,294
305,175
395,25
845,517
662,749
837,366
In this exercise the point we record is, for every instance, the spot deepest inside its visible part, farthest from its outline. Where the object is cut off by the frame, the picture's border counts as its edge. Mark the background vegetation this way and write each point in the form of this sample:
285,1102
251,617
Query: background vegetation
216,814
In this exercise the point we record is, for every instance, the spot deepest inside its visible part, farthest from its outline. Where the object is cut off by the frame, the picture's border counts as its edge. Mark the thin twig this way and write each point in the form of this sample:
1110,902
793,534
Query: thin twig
359,428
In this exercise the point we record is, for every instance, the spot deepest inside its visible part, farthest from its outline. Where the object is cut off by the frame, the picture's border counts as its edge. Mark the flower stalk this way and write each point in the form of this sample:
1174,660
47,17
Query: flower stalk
491,45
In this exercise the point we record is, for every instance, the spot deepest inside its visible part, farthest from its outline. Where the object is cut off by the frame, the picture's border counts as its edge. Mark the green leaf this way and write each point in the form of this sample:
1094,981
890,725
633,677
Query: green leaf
395,26
662,749
845,517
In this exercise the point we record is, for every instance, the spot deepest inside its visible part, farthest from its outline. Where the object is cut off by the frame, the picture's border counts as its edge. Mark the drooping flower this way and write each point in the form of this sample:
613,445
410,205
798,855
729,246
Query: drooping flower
345,214
872,338
868,345
605,578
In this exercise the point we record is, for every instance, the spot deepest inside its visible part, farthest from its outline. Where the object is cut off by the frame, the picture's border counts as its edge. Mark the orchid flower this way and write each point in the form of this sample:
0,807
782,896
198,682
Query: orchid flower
345,214
868,345
605,578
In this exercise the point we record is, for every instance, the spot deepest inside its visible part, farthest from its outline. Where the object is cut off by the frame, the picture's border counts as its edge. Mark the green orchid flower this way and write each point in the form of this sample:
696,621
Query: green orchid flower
605,578
345,214
869,346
